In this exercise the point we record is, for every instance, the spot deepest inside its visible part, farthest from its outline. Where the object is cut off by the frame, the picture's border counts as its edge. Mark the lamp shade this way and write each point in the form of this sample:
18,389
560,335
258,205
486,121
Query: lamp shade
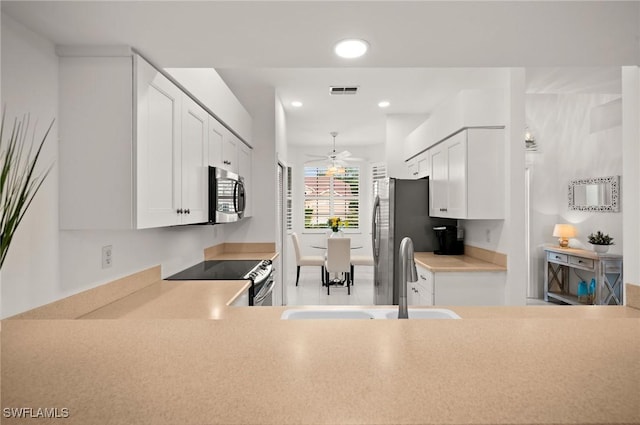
564,231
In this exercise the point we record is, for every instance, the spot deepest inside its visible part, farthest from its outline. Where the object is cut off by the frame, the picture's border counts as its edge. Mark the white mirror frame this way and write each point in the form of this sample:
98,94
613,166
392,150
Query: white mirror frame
614,183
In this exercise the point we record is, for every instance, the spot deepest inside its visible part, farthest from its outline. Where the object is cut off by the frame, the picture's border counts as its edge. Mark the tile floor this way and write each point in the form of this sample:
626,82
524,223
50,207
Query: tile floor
311,292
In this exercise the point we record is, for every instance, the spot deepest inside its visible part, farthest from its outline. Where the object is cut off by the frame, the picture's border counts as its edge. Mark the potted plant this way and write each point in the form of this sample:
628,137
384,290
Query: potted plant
19,180
600,241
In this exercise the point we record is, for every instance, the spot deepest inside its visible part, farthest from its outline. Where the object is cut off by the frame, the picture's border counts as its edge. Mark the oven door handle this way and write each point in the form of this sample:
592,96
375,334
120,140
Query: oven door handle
264,292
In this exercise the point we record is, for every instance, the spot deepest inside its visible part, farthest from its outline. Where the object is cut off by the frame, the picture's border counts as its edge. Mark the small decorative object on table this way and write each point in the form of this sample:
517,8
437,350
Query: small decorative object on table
600,242
335,223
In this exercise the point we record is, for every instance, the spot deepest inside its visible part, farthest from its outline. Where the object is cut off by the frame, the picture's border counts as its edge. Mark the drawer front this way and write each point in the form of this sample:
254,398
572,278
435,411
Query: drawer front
557,258
425,279
581,262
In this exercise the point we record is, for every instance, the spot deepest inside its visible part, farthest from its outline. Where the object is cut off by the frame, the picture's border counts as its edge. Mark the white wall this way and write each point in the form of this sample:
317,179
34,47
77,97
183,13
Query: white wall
569,149
631,174
297,157
30,275
398,128
281,130
45,264
210,89
283,263
261,226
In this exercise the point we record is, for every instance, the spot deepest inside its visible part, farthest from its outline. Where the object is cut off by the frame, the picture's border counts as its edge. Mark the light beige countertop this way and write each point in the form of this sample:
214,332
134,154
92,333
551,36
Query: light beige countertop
244,256
174,299
455,263
498,365
491,371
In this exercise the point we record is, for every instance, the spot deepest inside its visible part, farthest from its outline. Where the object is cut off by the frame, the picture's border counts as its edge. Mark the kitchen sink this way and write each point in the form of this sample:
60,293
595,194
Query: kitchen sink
372,313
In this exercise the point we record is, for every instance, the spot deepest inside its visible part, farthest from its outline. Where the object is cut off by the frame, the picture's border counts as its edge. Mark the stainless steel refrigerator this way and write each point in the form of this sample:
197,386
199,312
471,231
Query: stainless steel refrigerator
401,208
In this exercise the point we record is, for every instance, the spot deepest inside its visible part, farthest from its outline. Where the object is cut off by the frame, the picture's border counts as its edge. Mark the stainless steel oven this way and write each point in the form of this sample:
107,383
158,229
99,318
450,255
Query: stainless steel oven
264,295
226,196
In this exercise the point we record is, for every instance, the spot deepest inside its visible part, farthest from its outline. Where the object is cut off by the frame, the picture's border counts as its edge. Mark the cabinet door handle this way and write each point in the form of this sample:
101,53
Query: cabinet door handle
179,211
557,257
187,211
422,277
415,173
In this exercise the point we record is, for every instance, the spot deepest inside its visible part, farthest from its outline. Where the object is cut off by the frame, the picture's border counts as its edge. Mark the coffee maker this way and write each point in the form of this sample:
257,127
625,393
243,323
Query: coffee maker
450,240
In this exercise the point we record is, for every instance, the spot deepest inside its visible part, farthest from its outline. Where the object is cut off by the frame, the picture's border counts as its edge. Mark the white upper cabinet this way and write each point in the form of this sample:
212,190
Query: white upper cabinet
158,148
194,163
468,176
418,167
230,153
244,170
438,182
171,153
134,147
216,135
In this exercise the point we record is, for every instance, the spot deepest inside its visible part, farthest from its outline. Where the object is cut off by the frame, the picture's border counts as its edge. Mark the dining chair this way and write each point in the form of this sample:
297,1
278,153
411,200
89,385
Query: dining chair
338,260
359,260
306,260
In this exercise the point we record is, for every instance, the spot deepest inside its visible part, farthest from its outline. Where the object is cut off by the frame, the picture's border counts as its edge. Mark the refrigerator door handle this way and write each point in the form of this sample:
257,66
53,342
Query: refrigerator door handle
375,240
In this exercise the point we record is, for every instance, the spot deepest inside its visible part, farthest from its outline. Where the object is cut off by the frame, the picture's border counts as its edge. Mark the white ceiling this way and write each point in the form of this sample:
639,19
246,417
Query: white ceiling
417,49
357,118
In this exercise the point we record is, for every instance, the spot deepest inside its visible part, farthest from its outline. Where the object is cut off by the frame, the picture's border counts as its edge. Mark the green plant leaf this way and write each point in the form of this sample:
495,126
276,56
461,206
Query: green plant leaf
19,181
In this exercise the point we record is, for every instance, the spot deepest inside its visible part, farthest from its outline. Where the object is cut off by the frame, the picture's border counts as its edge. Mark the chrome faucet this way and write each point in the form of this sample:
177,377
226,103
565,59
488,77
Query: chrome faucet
408,273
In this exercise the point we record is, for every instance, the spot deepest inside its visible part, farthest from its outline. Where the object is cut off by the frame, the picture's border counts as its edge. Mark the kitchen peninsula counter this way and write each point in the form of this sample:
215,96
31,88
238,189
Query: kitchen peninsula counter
254,369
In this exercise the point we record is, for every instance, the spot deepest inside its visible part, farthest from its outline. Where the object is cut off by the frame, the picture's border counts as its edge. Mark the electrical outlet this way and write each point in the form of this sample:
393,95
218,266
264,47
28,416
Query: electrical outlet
488,234
107,258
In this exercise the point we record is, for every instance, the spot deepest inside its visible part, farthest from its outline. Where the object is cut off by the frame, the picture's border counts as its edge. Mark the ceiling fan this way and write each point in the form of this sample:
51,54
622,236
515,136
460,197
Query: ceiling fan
335,160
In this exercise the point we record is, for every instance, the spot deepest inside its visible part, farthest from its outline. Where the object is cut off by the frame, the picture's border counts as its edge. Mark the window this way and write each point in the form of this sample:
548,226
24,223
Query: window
378,172
327,196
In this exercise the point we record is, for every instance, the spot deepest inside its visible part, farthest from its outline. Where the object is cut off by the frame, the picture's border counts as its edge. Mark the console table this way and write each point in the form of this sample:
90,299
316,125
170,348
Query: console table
605,268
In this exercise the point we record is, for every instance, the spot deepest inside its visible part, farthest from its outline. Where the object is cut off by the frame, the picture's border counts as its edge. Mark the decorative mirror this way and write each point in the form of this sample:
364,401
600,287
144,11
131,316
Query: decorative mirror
598,194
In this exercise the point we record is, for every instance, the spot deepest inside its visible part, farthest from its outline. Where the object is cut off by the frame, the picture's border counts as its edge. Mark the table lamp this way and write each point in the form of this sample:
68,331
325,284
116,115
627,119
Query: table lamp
564,232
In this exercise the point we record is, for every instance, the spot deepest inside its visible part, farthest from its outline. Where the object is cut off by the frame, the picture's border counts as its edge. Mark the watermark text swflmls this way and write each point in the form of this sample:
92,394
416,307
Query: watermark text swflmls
36,412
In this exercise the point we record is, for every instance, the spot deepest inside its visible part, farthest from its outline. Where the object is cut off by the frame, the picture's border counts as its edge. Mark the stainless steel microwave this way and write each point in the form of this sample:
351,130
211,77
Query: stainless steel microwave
227,197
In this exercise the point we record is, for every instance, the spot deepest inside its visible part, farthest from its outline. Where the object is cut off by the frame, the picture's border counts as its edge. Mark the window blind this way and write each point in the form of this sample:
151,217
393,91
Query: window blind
327,196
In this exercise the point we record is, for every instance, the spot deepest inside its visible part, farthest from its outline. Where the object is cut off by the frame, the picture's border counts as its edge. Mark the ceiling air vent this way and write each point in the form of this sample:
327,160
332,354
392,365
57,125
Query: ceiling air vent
339,90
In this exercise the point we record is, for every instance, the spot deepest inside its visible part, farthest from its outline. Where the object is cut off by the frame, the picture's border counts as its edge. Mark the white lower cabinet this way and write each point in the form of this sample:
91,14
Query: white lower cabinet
420,293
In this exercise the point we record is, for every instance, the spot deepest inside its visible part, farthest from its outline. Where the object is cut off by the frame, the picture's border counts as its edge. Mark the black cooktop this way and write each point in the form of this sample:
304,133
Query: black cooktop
216,270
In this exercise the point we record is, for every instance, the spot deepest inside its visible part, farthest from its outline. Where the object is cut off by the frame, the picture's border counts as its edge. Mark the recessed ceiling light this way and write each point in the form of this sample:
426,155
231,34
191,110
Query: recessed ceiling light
351,48
296,104
384,104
